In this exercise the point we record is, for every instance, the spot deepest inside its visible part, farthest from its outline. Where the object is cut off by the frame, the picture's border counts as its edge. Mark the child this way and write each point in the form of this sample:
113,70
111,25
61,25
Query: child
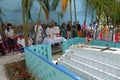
21,43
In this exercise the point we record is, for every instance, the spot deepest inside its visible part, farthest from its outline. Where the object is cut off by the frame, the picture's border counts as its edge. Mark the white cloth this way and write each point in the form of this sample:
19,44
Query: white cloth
90,28
56,30
21,41
96,33
50,32
9,33
96,24
54,40
39,32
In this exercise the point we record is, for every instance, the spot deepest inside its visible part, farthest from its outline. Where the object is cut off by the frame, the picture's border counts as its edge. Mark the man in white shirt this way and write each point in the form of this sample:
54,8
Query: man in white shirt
56,30
96,32
38,31
50,32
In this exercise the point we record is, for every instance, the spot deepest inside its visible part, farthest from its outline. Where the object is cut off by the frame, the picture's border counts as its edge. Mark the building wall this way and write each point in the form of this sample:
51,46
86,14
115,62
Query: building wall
13,12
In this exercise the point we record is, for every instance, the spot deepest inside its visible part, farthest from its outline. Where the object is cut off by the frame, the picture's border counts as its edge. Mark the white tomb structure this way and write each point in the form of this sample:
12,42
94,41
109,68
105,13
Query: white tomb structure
92,62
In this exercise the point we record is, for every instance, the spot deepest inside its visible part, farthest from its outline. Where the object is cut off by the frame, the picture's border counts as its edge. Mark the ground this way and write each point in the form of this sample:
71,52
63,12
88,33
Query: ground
13,58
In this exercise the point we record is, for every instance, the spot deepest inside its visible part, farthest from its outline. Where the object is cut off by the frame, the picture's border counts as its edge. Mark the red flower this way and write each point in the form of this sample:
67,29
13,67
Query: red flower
24,74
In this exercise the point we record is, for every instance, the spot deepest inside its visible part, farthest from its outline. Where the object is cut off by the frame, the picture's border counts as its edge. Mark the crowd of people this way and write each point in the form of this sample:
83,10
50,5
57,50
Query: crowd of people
54,30
10,41
77,30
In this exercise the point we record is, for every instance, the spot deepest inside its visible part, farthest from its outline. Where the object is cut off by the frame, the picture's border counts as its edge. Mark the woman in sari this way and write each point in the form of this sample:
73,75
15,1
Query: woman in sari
63,30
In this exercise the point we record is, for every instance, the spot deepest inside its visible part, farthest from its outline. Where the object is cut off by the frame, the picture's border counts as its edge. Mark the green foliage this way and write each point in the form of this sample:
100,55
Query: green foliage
26,7
109,8
47,6
27,4
55,4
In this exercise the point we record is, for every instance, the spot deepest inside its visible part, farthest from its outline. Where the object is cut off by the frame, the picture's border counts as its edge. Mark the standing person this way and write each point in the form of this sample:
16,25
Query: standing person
2,51
90,31
56,30
63,30
110,33
83,30
96,32
9,32
105,32
74,27
69,32
38,31
48,31
79,31
95,24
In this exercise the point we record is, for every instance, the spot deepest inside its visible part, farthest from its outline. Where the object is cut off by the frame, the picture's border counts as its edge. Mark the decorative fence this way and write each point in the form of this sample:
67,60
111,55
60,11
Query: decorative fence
38,61
69,42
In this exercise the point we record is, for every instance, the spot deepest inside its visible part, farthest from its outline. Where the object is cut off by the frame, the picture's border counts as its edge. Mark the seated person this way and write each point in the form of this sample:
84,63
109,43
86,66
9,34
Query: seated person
21,43
2,51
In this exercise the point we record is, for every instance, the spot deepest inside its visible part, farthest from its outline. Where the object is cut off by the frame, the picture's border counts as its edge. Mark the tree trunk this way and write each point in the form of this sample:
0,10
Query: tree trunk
71,13
37,25
85,12
75,11
92,14
24,22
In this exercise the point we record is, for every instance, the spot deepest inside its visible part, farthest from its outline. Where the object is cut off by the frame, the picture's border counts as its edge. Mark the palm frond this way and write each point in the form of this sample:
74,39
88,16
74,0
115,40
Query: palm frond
64,5
45,4
27,4
55,4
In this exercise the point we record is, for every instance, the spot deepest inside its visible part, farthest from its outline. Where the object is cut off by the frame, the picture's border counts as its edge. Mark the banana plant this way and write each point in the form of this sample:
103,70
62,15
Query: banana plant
26,7
64,5
45,4
48,5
